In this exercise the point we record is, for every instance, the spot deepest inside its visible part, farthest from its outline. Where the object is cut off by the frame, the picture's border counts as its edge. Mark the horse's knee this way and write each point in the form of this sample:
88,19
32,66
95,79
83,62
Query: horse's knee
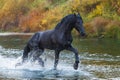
35,54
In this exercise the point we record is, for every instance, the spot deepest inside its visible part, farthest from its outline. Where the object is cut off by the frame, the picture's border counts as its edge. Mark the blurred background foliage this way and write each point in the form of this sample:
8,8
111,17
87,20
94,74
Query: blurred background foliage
101,17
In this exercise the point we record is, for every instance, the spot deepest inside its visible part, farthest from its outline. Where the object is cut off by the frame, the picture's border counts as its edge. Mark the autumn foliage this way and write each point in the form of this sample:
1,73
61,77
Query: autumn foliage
101,17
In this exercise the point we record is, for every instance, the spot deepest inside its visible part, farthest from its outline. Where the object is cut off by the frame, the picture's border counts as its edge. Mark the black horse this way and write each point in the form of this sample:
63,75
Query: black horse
58,39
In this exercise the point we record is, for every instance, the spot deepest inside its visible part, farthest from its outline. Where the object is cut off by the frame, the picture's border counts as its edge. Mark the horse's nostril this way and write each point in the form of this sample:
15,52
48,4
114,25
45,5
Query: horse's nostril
69,42
83,34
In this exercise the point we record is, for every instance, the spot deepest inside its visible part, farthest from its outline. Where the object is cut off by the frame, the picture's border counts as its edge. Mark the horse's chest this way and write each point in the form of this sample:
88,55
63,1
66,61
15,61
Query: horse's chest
67,39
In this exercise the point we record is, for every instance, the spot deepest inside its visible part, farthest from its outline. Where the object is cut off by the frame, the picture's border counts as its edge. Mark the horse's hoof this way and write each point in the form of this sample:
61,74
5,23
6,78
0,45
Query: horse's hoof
76,65
54,68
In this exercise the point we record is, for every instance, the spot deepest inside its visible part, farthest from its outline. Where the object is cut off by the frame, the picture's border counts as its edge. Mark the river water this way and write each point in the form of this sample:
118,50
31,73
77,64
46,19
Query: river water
99,59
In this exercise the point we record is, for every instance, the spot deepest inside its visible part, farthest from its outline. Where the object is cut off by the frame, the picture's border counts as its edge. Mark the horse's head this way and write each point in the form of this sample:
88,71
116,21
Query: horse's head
79,25
71,21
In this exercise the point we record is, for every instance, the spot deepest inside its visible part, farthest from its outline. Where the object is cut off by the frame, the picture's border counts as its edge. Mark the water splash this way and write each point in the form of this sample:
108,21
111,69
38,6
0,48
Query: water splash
30,70
34,70
88,69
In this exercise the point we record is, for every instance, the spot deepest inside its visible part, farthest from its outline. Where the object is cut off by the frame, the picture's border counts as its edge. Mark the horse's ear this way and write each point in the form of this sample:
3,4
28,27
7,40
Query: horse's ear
79,14
75,14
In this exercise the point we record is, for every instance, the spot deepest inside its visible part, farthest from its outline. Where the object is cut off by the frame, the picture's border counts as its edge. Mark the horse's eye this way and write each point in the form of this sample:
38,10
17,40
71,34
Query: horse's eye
78,22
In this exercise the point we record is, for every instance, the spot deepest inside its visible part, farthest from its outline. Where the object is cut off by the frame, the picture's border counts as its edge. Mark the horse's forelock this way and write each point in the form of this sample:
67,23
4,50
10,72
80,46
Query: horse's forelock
79,16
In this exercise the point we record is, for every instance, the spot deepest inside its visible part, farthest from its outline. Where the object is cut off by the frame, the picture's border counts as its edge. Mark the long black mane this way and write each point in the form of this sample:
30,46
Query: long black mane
65,20
68,19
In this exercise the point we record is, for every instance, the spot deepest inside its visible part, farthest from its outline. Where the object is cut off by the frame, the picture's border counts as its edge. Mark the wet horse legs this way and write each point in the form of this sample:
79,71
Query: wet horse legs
70,48
56,58
35,55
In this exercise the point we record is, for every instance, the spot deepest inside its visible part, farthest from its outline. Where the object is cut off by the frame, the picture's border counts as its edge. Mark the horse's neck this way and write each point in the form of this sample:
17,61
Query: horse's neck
65,33
65,28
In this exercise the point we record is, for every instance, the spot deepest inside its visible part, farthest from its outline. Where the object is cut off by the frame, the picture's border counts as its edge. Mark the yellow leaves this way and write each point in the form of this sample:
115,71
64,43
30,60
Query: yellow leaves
2,2
35,15
9,4
99,9
97,12
44,21
74,4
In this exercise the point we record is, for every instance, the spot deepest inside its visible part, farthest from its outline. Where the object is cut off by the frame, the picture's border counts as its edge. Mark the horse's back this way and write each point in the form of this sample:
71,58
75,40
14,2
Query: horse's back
46,40
39,35
42,39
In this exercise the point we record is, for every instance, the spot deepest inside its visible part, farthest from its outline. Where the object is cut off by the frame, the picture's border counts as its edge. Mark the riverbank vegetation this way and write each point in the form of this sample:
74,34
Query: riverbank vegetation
101,17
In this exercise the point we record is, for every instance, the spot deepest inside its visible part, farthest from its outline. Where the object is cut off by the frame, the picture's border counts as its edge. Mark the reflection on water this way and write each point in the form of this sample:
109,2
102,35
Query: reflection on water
16,42
101,46
100,59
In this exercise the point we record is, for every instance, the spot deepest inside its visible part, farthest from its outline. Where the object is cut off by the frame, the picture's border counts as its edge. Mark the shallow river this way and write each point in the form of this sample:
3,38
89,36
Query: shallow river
99,59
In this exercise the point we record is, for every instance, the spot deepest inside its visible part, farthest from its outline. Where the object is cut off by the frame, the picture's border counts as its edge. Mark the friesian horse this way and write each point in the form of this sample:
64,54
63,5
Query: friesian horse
58,39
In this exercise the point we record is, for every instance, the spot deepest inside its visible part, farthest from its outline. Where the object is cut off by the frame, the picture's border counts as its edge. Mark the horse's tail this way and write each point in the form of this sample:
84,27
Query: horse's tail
25,53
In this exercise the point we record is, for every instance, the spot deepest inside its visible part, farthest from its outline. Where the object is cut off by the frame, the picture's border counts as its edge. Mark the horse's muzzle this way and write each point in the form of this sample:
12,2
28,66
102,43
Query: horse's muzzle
83,34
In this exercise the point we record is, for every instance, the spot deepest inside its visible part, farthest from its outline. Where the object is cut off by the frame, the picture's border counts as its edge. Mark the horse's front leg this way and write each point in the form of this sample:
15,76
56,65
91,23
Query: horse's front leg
56,58
70,48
